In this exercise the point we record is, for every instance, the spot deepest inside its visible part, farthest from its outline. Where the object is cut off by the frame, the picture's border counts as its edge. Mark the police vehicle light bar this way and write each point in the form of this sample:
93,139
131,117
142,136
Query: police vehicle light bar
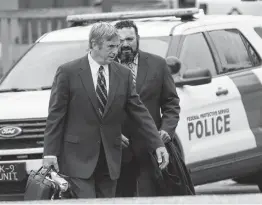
132,15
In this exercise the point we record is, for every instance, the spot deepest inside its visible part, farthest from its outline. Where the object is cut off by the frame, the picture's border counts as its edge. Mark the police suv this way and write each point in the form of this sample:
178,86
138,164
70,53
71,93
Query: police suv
219,83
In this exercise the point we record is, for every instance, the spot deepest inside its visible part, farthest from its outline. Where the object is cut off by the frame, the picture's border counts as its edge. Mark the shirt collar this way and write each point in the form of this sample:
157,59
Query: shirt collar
136,59
94,65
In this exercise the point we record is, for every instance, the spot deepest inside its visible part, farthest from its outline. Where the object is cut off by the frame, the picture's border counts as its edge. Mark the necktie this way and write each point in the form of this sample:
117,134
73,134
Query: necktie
101,92
131,66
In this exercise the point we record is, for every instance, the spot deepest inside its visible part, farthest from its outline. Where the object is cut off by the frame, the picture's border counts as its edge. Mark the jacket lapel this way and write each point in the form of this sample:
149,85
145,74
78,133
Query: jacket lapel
142,69
113,84
87,80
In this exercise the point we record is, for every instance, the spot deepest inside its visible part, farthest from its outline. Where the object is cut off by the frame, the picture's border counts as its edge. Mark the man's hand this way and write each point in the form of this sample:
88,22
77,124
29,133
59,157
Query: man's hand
162,157
125,141
49,161
164,136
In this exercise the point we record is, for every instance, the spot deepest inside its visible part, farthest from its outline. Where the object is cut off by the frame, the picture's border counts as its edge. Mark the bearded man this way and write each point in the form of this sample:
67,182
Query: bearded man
156,87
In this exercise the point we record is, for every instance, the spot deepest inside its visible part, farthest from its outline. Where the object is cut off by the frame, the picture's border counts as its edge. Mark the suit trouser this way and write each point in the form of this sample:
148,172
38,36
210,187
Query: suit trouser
99,185
126,185
136,178
145,180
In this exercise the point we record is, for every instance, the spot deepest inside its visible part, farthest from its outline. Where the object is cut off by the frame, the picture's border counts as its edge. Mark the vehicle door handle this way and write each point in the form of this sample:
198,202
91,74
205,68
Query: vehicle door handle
221,91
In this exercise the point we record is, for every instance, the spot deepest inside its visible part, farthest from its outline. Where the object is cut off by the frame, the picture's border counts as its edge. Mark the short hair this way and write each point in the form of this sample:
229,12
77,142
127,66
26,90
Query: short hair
126,24
100,32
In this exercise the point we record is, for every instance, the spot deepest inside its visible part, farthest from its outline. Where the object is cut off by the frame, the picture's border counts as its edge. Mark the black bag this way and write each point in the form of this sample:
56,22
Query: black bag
38,186
175,180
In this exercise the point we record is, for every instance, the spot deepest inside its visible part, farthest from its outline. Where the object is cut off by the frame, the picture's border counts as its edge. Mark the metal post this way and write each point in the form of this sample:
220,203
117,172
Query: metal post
5,40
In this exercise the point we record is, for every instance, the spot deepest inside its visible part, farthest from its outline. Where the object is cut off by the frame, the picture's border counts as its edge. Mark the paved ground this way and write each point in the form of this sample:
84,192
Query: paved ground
219,192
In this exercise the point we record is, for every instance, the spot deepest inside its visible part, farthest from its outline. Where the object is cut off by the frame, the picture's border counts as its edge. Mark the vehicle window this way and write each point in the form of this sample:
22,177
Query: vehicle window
156,45
195,53
38,67
256,60
231,49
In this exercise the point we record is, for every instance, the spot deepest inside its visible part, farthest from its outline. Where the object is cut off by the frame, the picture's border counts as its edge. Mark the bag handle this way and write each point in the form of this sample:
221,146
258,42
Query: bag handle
46,172
37,172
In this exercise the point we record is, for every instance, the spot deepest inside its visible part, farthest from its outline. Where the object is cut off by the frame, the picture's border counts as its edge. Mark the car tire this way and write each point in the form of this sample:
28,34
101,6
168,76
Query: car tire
260,187
259,181
250,179
254,179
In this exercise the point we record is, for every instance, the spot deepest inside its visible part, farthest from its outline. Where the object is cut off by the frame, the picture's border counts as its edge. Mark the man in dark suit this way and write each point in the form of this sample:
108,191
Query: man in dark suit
157,91
90,98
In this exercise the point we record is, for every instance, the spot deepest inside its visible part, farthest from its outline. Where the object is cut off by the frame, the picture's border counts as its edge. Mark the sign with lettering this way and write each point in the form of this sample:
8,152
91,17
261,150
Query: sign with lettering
12,172
208,124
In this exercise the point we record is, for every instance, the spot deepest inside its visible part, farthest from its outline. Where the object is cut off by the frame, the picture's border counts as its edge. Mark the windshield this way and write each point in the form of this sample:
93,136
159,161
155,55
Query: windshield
38,67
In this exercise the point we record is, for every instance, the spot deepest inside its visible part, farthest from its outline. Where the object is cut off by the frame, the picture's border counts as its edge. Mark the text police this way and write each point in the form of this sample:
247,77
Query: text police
208,124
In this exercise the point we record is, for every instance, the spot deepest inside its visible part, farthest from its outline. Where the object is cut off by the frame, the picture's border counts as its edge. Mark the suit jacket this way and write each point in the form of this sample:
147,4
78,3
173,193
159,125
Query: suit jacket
75,130
156,87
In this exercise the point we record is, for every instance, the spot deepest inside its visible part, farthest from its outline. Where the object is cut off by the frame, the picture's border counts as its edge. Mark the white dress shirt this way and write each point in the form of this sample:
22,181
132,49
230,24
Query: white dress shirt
94,66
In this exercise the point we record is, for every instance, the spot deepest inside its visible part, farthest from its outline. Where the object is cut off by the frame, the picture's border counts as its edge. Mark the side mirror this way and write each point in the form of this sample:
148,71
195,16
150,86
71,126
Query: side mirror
174,64
197,76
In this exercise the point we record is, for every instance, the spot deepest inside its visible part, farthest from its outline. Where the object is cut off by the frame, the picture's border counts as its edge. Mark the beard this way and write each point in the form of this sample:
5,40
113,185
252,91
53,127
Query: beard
126,54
